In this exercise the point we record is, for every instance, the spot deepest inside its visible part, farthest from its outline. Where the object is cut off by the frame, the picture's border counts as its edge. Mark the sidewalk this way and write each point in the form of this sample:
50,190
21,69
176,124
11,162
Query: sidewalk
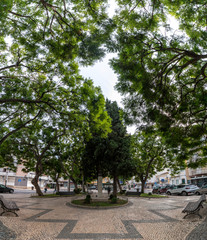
147,219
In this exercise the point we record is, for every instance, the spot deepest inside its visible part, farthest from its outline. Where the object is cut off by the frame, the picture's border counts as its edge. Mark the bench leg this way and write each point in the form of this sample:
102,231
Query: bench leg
192,213
9,211
2,213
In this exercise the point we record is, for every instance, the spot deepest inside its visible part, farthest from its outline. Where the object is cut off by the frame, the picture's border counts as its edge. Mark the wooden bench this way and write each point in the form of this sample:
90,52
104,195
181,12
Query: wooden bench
194,207
8,206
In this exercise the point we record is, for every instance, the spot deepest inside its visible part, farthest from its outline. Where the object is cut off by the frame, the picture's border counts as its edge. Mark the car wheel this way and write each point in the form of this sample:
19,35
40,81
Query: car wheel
197,193
159,192
11,191
168,193
184,194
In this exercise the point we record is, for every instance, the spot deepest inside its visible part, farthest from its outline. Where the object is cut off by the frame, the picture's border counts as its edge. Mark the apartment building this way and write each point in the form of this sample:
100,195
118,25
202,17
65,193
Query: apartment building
20,179
198,176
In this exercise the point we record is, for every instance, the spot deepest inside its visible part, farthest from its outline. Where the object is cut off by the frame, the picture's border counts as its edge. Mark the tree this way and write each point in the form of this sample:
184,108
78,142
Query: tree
164,70
109,156
41,45
45,141
149,154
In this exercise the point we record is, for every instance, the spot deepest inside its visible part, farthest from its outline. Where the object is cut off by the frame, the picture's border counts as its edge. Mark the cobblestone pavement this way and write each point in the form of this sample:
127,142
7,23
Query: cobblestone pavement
147,219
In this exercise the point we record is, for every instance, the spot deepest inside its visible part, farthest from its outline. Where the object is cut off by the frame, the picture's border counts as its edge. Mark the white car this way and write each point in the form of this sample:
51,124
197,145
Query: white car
182,189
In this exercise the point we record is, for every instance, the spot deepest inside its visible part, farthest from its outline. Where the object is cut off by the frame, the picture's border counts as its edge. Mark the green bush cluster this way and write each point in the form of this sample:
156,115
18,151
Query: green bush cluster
122,191
112,198
87,199
77,191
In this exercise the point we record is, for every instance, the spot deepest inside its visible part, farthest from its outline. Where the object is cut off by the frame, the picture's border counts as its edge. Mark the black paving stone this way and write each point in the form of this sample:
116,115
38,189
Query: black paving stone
199,233
6,233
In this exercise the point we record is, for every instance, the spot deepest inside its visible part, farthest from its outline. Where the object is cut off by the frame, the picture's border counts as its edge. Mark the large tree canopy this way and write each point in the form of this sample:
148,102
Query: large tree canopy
163,70
41,45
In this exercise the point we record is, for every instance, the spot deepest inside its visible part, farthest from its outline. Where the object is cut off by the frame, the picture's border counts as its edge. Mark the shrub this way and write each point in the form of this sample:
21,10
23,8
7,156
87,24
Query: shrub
149,193
77,190
114,199
87,199
122,191
110,196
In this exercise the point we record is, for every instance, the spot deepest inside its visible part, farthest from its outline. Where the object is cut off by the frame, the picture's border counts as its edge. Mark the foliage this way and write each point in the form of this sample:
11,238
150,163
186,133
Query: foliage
110,196
161,69
42,44
96,204
77,190
114,199
150,154
110,155
88,199
152,195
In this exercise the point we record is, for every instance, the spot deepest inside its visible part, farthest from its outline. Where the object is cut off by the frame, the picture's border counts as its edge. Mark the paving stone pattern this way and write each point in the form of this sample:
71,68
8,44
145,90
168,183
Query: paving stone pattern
147,219
6,233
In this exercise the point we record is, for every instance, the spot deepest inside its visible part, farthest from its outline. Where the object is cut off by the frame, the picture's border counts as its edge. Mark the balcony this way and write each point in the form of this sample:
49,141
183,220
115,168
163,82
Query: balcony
198,172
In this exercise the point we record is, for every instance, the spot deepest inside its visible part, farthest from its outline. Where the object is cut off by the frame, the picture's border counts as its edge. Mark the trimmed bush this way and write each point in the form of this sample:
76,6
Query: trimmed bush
114,199
77,191
110,196
87,199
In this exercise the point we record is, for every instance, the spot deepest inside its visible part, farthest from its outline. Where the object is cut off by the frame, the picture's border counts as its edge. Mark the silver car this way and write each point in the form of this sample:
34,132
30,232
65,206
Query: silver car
183,189
202,190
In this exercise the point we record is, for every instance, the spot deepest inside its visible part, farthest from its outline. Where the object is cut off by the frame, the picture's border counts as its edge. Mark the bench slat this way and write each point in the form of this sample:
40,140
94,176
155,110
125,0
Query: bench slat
194,207
8,206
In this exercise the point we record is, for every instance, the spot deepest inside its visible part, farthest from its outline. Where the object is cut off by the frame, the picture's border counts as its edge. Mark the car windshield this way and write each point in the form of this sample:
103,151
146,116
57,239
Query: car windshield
2,186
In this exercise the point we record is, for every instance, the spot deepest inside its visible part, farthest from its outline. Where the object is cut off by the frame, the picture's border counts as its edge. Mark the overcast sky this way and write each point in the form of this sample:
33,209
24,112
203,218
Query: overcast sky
103,76
101,73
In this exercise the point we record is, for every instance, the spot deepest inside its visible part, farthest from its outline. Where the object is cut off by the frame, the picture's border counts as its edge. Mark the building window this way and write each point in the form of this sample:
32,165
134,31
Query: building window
183,180
177,181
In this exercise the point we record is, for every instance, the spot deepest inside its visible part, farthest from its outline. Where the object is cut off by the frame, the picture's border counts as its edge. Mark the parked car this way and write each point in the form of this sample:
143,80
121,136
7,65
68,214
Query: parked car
204,184
4,189
163,189
202,190
156,189
182,189
92,188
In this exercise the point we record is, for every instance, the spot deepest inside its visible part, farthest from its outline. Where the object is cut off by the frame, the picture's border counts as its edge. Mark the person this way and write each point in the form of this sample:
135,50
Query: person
45,189
109,190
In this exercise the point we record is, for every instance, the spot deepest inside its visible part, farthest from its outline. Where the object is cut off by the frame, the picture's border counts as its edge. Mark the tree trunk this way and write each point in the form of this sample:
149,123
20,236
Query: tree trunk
36,185
75,183
83,185
68,184
143,184
120,188
57,185
114,185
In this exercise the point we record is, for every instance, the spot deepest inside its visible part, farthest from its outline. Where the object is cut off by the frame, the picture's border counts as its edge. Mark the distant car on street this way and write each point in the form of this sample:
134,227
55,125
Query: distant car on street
202,190
163,189
183,189
92,188
156,189
4,189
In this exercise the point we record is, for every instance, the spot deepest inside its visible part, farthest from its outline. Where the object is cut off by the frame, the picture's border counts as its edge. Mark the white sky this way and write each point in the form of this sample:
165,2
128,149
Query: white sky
101,73
103,76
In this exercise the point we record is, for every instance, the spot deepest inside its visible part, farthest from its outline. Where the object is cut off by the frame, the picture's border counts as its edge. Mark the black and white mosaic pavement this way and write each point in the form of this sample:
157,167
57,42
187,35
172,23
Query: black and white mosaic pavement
131,232
5,233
